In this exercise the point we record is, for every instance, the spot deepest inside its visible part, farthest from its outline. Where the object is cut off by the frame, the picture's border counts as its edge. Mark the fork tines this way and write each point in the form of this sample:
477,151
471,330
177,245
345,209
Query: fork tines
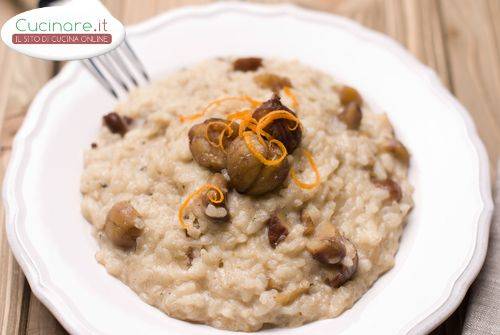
118,70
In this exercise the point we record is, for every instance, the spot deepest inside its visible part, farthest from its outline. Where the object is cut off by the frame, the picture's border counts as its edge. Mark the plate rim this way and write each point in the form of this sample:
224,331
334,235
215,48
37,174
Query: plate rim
12,198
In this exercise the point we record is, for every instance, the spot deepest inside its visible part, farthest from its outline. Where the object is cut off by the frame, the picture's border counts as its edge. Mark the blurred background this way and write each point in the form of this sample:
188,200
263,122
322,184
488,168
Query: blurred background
459,39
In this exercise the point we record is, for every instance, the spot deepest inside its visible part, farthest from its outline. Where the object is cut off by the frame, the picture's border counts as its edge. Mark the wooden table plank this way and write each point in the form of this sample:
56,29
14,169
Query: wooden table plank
21,78
494,10
472,32
40,321
24,77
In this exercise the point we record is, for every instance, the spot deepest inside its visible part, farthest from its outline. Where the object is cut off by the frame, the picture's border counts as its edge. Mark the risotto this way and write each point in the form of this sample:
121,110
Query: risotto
243,193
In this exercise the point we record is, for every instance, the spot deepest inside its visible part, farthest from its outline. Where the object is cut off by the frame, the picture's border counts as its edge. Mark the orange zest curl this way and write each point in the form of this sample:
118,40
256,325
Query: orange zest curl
222,133
246,123
253,127
254,103
289,93
216,198
259,156
311,162
240,115
220,143
275,115
245,116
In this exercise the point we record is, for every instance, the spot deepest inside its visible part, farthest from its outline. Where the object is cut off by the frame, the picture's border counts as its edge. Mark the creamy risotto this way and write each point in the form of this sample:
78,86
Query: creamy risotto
243,193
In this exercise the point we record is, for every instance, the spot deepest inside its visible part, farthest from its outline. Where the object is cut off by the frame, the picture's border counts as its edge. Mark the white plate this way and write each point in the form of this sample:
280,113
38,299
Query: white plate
443,245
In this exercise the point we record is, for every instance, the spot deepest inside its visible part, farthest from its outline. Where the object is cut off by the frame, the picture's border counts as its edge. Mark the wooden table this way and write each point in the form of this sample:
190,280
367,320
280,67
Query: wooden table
460,39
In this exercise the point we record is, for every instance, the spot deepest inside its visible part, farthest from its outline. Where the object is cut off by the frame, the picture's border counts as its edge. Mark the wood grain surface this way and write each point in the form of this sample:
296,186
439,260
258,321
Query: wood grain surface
459,39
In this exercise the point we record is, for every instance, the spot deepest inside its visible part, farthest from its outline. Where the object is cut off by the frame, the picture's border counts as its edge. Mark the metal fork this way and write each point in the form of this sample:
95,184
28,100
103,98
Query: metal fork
117,70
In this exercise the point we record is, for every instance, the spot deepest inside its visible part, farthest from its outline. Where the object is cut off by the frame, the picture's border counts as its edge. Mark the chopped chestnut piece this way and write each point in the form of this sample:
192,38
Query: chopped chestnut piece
287,297
247,64
348,95
248,174
115,123
346,269
242,166
123,224
190,256
307,222
277,229
280,129
128,120
398,150
351,116
270,177
329,247
216,211
272,82
391,186
351,101
273,285
206,153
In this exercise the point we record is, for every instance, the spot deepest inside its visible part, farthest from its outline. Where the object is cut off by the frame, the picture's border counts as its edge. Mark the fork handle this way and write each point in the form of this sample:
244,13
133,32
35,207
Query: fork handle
45,3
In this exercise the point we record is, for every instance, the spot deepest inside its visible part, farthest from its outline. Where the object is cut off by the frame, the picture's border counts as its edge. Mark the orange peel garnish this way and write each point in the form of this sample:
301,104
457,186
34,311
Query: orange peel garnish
311,162
216,199
246,123
226,126
276,115
289,93
217,102
259,156
239,115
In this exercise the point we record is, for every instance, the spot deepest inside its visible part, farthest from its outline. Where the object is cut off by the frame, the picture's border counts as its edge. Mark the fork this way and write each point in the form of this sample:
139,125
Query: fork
112,71
117,70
